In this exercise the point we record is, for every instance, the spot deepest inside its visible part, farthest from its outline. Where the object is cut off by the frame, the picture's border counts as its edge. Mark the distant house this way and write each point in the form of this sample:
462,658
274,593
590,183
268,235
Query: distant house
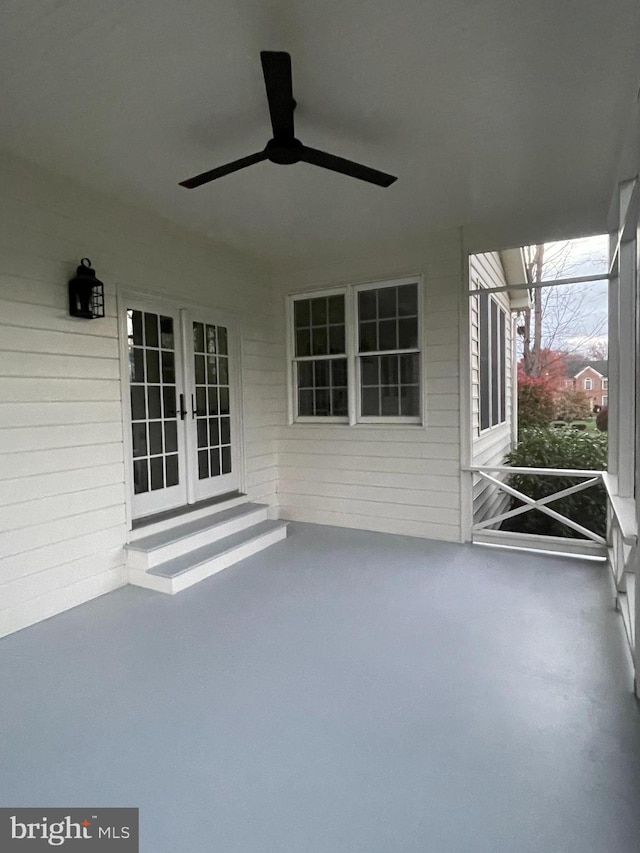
590,377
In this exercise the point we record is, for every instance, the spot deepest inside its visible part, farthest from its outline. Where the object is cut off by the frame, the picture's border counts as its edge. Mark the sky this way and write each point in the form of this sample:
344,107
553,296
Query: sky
576,314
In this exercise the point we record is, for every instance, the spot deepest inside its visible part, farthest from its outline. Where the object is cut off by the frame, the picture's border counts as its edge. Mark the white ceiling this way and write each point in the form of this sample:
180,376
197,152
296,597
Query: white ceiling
493,112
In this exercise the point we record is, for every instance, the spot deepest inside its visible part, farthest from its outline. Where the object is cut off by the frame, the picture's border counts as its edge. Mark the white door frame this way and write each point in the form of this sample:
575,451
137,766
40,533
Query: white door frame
159,303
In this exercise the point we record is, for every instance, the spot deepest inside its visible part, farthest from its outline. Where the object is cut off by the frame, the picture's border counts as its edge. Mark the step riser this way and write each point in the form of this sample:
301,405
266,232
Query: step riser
192,515
148,559
144,579
205,570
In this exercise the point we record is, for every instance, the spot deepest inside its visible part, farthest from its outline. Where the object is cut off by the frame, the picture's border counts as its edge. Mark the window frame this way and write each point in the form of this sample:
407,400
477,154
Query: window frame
354,415
588,387
293,360
605,383
503,354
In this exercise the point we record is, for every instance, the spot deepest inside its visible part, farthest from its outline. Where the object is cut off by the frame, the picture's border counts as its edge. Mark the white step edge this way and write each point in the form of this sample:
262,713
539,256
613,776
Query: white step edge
207,568
144,554
190,515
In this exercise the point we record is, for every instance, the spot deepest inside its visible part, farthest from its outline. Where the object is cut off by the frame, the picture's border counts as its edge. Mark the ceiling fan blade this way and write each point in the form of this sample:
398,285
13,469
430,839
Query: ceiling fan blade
276,67
346,167
211,175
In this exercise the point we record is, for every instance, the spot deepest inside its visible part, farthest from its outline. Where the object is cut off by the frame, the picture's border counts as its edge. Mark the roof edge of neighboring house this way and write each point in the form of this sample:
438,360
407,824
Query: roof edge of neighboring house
588,367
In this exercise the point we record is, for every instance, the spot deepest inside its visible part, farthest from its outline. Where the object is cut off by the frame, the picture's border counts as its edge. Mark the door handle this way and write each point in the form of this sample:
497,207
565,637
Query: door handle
194,411
183,411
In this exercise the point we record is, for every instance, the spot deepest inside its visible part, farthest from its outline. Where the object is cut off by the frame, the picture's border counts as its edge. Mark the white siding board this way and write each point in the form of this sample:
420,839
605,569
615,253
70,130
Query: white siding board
42,583
371,509
47,533
401,450
51,603
58,484
382,524
53,437
60,553
42,317
319,461
21,339
59,414
14,465
19,517
439,503
24,390
381,480
32,365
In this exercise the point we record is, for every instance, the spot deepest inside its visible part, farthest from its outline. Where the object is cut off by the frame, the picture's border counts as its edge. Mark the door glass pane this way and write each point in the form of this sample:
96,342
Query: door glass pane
155,438
140,476
151,330
139,439
166,333
136,364
211,372
172,470
153,366
168,367
198,337
153,401
157,473
170,436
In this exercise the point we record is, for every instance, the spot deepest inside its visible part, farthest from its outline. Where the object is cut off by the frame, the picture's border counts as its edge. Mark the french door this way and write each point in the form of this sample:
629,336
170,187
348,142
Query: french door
183,407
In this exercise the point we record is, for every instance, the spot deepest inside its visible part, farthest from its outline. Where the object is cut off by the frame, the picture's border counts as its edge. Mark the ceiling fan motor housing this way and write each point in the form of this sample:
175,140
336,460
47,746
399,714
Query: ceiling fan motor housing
283,153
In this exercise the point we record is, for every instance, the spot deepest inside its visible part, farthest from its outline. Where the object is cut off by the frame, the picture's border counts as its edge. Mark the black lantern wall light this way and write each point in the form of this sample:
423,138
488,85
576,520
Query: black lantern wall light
86,293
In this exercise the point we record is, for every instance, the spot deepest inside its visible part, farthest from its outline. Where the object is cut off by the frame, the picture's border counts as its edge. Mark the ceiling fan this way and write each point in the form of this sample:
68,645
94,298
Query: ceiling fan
284,148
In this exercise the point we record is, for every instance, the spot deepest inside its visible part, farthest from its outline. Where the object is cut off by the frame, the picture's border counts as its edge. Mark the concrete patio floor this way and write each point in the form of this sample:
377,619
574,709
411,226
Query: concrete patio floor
341,691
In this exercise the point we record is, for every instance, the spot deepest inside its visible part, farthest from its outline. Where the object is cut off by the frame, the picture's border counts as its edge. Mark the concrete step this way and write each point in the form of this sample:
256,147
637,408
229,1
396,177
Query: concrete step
165,545
188,569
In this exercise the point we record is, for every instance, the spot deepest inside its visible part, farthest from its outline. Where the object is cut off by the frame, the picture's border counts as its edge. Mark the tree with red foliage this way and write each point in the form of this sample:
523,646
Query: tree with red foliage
551,366
536,400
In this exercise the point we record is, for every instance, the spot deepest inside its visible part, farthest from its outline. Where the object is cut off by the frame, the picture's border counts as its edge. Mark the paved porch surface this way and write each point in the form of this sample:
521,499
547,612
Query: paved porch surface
342,691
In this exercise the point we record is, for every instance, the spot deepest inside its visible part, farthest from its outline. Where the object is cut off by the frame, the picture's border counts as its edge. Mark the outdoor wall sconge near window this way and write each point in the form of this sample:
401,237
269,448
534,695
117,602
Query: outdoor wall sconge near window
86,293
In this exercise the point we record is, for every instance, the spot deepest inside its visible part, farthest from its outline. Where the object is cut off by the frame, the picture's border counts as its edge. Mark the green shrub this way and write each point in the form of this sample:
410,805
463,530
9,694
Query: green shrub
602,419
536,405
549,448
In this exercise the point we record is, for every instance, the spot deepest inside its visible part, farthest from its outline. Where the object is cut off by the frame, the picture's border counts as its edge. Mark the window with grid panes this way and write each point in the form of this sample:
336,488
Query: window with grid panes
389,351
320,361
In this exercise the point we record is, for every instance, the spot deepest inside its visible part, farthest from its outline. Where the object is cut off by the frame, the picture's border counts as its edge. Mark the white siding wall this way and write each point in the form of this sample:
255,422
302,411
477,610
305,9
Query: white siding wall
489,446
62,495
398,479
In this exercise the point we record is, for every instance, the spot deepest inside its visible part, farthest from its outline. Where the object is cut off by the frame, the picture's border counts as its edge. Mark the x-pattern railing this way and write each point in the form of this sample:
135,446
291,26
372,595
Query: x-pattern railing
592,478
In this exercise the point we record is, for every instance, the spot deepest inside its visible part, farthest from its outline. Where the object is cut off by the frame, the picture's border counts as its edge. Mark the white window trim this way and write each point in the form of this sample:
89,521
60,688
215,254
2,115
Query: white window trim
354,418
588,387
605,384
504,355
